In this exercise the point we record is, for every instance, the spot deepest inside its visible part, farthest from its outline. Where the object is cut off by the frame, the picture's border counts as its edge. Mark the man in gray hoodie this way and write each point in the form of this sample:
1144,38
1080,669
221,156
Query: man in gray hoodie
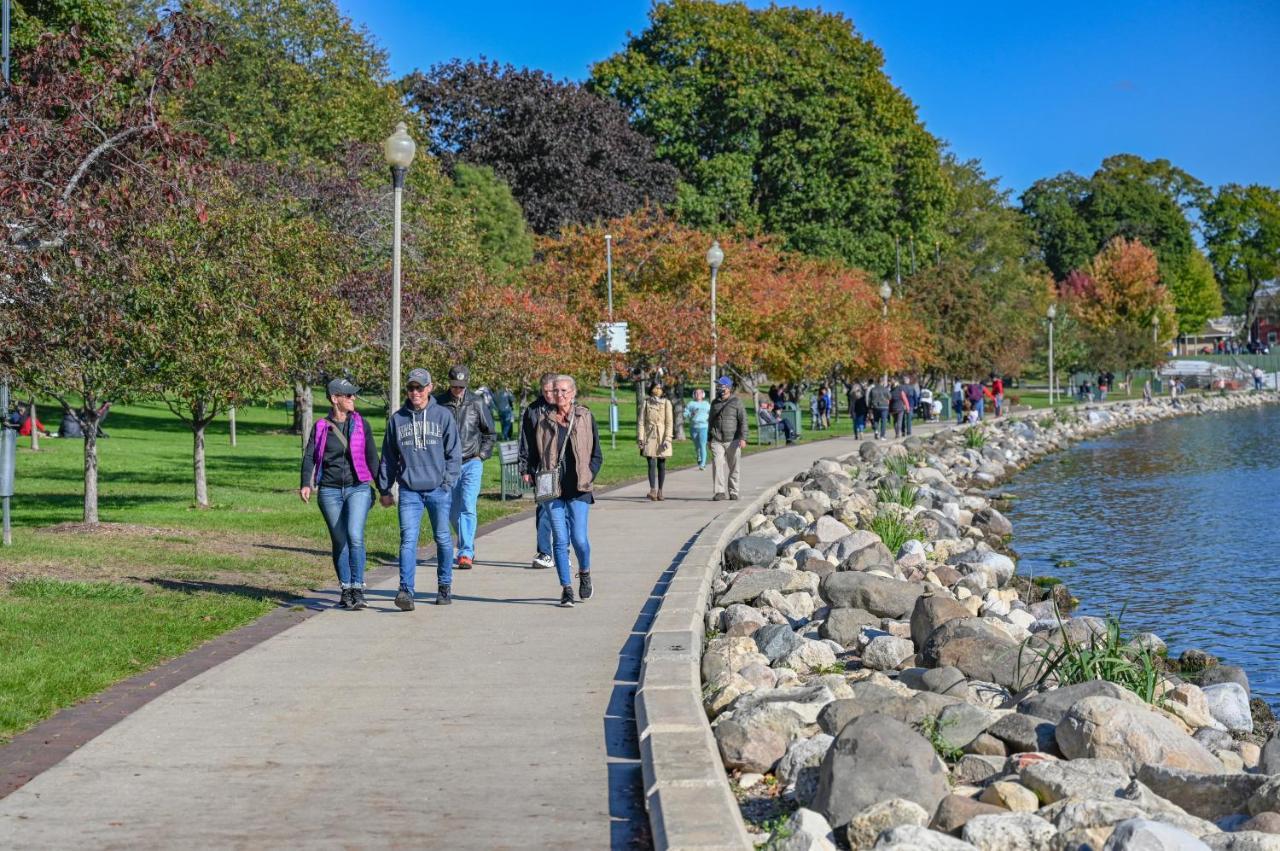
422,454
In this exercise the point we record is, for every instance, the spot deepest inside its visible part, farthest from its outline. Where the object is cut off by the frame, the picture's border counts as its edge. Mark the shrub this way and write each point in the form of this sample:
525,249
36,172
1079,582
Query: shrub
903,494
898,465
974,439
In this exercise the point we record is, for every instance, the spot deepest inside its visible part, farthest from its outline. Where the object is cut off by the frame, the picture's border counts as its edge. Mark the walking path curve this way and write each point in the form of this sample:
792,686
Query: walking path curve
499,722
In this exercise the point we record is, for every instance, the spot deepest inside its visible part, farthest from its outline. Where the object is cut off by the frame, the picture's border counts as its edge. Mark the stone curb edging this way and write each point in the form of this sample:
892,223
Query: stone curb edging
686,790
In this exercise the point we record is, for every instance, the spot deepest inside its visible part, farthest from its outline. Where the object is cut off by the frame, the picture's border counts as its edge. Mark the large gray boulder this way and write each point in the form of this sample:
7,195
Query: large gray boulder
1270,760
1243,840
844,625
932,611
1052,705
1020,831
1053,780
912,837
876,758
754,741
1025,733
993,523
866,826
887,652
1106,728
801,767
867,698
825,530
1229,706
955,811
1146,835
873,556
806,701
776,641
982,651
888,598
1267,798
961,723
749,584
1209,796
1224,674
750,551
851,543
805,830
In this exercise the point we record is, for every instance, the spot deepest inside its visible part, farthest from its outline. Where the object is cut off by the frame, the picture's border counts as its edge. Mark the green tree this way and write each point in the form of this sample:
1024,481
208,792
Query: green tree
102,23
229,288
505,238
1242,233
781,119
1133,198
983,302
296,79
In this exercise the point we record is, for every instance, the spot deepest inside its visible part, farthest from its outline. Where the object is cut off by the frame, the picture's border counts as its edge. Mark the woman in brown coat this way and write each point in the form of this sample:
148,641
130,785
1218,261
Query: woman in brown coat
656,430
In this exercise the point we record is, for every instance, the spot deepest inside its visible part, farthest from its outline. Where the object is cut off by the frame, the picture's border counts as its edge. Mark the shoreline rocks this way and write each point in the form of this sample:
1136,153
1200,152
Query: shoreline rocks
904,693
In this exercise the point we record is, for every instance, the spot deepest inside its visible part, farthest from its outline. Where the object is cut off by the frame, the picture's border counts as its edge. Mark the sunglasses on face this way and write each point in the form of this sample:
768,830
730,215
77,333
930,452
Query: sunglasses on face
416,388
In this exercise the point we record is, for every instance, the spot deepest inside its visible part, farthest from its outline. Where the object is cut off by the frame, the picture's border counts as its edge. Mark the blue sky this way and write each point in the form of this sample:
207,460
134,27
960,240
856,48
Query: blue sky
1031,89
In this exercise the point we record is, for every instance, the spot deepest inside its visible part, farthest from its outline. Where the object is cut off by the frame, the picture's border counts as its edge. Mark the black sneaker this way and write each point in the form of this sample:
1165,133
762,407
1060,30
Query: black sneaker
733,496
344,602
357,599
404,601
444,595
566,597
584,584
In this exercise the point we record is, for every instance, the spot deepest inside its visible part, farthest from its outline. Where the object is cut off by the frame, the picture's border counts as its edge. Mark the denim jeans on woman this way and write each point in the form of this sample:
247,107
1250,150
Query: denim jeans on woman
700,444
569,525
345,511
437,504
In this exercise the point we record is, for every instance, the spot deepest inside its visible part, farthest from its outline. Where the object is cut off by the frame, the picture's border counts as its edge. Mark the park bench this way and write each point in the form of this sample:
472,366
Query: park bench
767,432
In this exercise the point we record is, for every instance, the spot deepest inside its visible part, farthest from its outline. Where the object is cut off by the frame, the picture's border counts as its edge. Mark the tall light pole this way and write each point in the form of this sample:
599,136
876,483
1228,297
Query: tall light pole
1052,314
613,373
398,148
886,292
715,256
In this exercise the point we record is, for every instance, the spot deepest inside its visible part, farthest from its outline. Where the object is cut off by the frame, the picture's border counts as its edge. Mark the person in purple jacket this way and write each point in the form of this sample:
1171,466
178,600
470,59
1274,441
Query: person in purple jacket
338,465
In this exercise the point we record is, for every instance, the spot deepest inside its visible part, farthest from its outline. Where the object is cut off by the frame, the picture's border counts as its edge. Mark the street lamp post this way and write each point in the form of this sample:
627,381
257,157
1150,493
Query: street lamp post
715,256
398,148
613,373
1052,314
886,292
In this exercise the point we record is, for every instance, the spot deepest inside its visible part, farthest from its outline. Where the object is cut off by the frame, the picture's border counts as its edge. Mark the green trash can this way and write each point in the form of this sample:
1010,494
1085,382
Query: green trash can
792,415
946,406
1157,386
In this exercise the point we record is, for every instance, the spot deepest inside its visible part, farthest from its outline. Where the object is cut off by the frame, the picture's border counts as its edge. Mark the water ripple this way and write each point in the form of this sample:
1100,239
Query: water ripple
1178,524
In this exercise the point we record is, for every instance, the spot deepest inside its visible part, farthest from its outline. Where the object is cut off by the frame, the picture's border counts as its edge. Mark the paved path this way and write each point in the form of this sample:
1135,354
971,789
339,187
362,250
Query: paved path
499,722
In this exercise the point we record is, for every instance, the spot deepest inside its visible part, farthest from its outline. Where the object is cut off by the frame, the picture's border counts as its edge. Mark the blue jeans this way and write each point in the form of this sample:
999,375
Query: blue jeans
881,420
345,511
437,504
462,512
569,525
957,402
979,406
906,422
542,517
700,443
505,419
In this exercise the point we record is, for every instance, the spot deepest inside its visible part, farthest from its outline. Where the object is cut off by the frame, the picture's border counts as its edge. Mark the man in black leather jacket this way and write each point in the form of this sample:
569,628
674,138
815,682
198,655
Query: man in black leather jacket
476,436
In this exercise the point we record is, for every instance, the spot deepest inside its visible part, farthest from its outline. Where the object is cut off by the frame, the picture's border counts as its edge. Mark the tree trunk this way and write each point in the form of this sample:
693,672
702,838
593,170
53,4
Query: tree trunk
197,456
91,470
302,410
677,412
302,407
641,389
35,427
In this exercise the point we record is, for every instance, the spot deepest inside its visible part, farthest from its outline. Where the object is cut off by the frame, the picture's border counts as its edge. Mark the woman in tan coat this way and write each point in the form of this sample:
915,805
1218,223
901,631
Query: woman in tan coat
656,430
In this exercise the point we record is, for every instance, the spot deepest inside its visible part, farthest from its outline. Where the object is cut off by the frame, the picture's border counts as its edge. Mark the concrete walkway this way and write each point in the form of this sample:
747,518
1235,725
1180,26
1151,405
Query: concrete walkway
499,722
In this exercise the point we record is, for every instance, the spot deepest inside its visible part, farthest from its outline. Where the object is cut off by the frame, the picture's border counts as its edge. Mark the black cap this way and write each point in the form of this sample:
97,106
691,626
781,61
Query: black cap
459,376
342,387
419,376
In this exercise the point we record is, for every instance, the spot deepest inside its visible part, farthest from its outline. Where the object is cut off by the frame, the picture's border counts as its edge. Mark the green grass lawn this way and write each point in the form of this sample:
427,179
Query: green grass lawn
160,576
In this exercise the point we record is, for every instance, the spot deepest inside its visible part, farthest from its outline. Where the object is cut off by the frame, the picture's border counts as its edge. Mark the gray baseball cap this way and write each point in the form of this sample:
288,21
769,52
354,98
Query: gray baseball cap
342,387
459,376
419,376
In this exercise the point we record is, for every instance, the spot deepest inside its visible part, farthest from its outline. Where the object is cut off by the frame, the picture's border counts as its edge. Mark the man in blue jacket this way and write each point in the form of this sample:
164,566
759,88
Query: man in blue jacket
422,454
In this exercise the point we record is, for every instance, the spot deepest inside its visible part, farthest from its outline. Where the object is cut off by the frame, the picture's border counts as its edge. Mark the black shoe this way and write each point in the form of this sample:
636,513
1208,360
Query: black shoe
584,584
404,601
344,602
733,496
566,597
357,599
444,595
719,497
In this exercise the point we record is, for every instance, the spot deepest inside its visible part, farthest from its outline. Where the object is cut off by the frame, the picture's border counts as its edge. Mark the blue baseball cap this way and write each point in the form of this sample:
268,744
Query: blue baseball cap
724,381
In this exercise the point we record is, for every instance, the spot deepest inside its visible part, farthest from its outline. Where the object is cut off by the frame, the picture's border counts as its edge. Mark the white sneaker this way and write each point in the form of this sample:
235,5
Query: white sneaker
542,561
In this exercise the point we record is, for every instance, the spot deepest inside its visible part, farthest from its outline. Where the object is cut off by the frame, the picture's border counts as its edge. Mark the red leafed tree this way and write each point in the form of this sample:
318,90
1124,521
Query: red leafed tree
85,151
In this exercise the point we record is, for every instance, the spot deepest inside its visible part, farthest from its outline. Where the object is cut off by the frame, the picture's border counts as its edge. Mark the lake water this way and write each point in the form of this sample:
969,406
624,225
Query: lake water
1178,524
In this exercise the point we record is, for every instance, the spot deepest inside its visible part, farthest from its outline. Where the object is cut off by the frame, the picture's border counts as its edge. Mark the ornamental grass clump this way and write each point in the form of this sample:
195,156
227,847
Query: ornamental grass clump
898,465
895,529
903,494
974,439
1106,655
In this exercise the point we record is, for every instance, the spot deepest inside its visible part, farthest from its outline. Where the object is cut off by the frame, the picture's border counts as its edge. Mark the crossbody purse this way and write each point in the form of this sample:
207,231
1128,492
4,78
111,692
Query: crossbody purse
547,482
